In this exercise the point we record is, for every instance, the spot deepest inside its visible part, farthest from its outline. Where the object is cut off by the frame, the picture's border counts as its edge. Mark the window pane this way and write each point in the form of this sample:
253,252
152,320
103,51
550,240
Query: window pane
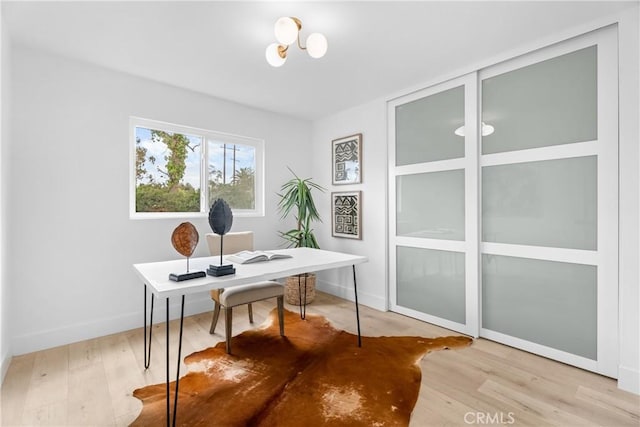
546,203
232,169
432,282
425,128
549,103
431,205
167,171
546,302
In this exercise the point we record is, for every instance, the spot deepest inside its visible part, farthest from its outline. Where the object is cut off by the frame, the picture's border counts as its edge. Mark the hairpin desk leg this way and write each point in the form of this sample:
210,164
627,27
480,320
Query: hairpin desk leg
303,303
167,366
147,355
355,291
175,399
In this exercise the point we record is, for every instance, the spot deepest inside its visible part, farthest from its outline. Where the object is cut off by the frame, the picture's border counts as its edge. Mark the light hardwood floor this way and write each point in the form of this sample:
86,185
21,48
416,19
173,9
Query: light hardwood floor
90,382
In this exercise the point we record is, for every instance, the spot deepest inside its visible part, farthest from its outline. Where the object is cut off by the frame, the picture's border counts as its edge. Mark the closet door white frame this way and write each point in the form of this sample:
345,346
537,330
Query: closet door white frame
605,147
468,246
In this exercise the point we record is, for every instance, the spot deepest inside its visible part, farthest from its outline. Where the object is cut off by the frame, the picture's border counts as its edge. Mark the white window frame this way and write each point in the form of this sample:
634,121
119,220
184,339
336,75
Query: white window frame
206,136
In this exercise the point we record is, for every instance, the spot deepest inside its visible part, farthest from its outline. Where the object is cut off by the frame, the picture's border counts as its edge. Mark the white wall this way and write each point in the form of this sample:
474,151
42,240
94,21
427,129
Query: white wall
370,119
5,95
629,131
71,242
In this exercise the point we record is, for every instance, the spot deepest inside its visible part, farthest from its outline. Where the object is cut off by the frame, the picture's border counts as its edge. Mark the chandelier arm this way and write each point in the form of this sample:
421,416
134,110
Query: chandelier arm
282,50
300,45
299,25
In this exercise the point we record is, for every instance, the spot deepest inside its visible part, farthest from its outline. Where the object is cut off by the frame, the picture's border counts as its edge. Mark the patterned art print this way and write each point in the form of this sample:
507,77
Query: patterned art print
346,155
346,214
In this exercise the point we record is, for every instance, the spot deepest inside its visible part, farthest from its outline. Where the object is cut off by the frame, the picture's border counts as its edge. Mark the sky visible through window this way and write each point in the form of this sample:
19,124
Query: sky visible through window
237,157
244,158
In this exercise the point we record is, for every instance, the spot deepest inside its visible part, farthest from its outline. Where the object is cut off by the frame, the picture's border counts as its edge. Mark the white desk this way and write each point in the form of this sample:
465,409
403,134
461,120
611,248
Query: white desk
155,276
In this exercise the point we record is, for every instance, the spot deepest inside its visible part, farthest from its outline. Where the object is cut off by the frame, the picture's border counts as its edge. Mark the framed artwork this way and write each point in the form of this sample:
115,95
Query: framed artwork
346,215
346,156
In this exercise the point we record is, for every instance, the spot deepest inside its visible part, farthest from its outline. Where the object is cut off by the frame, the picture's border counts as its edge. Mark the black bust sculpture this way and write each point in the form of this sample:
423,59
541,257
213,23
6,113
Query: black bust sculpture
220,220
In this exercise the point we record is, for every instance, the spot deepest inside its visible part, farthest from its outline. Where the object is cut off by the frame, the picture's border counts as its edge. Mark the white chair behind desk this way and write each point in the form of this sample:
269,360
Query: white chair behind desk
244,294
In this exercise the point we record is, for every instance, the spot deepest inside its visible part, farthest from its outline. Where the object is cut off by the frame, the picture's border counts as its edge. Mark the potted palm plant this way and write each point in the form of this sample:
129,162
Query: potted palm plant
296,197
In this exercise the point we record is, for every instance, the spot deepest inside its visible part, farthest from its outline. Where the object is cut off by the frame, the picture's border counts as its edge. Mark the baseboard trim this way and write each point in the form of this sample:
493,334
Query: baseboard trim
629,380
29,343
346,292
42,340
4,366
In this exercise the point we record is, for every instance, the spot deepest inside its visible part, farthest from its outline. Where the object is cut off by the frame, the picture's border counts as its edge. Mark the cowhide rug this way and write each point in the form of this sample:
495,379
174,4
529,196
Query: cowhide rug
315,376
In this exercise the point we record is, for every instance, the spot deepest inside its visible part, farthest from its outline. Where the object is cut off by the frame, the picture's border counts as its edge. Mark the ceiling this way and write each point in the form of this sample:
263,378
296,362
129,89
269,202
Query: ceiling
375,48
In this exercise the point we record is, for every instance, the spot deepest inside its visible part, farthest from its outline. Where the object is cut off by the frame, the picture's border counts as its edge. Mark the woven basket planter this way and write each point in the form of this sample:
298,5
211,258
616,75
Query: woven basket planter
291,292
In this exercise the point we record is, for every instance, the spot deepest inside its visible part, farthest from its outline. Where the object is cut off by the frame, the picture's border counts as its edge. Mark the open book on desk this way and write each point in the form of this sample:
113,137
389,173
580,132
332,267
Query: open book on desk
247,257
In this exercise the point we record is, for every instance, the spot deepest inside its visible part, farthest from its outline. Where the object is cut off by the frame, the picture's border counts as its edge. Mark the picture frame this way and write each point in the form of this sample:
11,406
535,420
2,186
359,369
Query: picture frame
346,214
346,160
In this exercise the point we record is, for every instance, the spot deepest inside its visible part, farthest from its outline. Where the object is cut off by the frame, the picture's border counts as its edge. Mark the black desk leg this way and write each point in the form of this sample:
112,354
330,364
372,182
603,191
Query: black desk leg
147,355
167,366
175,401
175,397
355,291
303,303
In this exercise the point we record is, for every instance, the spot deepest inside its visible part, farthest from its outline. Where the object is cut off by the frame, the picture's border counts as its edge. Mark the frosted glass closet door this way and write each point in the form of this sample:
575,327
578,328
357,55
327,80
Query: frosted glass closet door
433,214
551,203
548,219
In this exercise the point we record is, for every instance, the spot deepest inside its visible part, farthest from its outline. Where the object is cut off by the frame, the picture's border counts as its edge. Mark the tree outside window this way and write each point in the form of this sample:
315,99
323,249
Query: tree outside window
167,171
168,175
231,174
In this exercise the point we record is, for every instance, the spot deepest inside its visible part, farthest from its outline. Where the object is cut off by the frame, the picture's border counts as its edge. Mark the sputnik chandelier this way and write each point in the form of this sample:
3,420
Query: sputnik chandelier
287,31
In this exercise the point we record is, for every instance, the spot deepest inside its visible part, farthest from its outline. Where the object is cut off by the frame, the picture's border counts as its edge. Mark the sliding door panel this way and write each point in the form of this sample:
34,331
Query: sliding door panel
548,103
550,203
432,281
433,244
425,128
548,222
431,205
548,303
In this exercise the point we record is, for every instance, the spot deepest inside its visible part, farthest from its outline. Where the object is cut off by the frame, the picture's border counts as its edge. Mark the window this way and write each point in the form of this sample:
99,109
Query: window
179,171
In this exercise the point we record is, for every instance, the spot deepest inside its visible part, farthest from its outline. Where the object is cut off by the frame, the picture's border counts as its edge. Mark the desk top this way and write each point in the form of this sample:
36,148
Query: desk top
303,260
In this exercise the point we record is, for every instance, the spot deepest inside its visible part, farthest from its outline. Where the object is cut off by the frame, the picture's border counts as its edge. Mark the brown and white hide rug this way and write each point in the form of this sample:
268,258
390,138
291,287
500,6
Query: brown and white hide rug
315,376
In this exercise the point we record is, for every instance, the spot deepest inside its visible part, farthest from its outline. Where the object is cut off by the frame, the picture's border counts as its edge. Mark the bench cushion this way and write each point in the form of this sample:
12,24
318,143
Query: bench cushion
245,294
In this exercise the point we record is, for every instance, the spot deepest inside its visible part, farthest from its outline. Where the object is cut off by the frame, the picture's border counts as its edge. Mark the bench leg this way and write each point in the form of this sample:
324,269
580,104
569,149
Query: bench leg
281,314
250,313
216,314
228,311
